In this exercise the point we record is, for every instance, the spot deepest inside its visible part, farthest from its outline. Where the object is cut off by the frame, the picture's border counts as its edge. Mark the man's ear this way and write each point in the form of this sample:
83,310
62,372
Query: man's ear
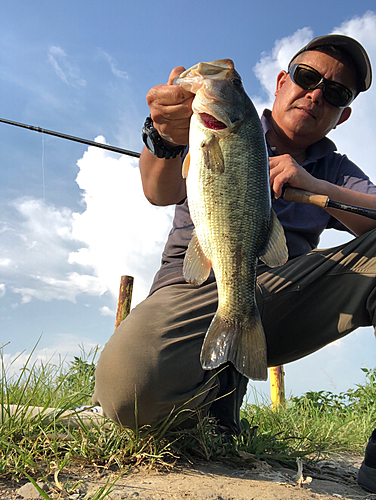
345,115
281,79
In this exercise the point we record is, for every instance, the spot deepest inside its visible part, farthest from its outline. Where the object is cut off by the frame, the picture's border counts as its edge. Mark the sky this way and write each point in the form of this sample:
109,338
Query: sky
73,218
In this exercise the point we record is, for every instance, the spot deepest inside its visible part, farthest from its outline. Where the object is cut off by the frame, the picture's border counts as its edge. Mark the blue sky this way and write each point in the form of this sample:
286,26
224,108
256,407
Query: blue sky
73,219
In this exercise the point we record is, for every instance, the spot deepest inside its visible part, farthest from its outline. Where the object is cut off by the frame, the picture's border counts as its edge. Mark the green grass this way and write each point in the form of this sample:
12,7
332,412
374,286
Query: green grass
318,423
42,448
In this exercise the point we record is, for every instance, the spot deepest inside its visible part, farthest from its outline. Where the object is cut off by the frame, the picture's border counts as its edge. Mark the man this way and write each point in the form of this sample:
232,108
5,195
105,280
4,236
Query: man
317,297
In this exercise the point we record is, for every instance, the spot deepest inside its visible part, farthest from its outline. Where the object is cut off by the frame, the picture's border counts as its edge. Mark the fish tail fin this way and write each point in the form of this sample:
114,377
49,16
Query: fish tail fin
241,341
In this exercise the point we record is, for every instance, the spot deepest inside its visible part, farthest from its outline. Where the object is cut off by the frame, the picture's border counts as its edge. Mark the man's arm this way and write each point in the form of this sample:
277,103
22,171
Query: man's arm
171,110
162,179
356,223
285,170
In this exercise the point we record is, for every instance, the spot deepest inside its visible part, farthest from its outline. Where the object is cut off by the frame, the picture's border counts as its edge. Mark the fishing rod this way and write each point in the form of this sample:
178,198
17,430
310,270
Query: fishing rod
114,149
289,193
318,200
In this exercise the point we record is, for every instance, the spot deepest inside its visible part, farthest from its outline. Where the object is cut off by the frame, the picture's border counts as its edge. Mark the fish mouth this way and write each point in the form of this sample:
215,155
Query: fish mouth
211,122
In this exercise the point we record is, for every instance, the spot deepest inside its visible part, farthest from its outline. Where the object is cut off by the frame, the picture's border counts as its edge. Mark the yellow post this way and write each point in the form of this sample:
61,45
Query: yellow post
125,299
277,385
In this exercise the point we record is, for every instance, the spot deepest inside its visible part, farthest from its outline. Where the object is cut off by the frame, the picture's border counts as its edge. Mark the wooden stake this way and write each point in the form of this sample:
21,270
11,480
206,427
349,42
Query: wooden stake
125,299
277,386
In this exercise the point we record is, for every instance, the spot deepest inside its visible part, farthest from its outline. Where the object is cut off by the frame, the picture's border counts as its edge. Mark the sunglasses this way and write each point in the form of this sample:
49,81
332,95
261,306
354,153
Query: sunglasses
308,78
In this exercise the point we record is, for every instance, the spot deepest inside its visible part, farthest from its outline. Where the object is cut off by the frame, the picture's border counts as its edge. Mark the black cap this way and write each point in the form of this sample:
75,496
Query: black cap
350,47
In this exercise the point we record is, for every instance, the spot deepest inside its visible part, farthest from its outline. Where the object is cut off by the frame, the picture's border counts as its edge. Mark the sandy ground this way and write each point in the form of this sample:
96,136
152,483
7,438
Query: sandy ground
331,479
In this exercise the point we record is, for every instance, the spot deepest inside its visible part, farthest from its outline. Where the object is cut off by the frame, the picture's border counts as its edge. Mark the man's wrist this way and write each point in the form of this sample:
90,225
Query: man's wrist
157,145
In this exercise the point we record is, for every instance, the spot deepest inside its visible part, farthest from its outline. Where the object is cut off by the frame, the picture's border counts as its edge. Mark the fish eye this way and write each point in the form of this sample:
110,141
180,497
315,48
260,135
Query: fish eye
236,82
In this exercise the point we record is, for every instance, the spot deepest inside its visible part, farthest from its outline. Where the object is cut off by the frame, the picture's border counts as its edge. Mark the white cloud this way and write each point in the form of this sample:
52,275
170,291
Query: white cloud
124,234
336,343
43,221
45,231
271,63
4,227
357,135
114,66
62,289
36,254
106,311
64,69
55,254
362,28
2,290
63,349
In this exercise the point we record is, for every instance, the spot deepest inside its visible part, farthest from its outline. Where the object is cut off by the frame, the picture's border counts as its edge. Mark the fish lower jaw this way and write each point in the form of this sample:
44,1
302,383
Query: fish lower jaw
211,122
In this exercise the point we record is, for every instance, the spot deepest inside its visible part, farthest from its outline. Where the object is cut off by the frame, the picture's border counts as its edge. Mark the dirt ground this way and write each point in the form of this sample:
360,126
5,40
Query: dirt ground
330,479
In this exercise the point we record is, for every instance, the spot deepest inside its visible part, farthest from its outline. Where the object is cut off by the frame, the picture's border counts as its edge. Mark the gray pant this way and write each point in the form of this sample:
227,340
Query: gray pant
309,302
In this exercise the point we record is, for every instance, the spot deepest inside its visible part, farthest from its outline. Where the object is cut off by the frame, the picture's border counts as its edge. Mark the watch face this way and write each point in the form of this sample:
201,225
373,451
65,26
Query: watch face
150,145
155,144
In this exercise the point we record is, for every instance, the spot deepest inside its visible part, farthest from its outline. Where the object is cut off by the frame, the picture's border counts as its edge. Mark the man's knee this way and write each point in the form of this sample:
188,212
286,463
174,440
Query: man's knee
140,381
125,376
152,359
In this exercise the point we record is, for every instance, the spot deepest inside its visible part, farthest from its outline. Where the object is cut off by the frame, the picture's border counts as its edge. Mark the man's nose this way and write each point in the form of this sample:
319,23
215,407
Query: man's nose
316,94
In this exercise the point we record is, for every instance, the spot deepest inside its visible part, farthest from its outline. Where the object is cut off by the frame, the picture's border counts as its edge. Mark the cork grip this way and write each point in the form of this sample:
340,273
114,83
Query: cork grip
301,196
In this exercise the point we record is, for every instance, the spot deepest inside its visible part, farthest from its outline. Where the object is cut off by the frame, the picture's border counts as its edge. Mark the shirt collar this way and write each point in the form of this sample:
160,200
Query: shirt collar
318,150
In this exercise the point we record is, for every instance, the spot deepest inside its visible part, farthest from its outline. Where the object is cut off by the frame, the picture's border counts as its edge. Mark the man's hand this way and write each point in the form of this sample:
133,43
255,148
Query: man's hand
171,109
285,170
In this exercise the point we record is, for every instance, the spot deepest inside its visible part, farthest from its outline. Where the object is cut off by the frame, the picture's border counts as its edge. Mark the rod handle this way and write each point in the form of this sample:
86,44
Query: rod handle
301,196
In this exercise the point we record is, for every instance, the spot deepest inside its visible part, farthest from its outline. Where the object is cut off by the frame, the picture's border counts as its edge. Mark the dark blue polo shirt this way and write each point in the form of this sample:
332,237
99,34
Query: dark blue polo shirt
303,224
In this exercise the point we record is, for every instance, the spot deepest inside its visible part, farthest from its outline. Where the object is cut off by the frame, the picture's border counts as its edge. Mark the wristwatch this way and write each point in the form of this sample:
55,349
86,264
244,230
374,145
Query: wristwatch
156,145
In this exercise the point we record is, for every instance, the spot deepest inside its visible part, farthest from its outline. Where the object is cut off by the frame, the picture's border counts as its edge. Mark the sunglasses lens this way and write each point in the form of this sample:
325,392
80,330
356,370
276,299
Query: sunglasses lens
306,78
334,93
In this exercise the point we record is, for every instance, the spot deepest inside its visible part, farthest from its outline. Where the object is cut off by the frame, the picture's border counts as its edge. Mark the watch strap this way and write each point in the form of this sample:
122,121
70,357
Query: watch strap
156,145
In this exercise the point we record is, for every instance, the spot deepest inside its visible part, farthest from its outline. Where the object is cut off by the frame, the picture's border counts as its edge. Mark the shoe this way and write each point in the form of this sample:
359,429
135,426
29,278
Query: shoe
367,471
226,434
367,478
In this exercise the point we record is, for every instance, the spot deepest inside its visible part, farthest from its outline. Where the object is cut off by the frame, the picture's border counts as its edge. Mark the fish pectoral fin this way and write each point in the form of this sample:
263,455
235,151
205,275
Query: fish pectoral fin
213,157
185,167
275,252
241,341
196,267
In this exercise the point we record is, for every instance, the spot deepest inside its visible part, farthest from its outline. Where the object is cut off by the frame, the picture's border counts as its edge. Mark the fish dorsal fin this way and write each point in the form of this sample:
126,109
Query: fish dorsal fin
275,252
186,163
196,267
213,157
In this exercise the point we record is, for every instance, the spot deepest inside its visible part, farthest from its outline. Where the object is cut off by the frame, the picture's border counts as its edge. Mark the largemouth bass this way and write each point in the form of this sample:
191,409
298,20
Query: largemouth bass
227,175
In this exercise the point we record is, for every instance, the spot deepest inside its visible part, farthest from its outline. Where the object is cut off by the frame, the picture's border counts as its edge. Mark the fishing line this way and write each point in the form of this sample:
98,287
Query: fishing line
340,206
43,183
